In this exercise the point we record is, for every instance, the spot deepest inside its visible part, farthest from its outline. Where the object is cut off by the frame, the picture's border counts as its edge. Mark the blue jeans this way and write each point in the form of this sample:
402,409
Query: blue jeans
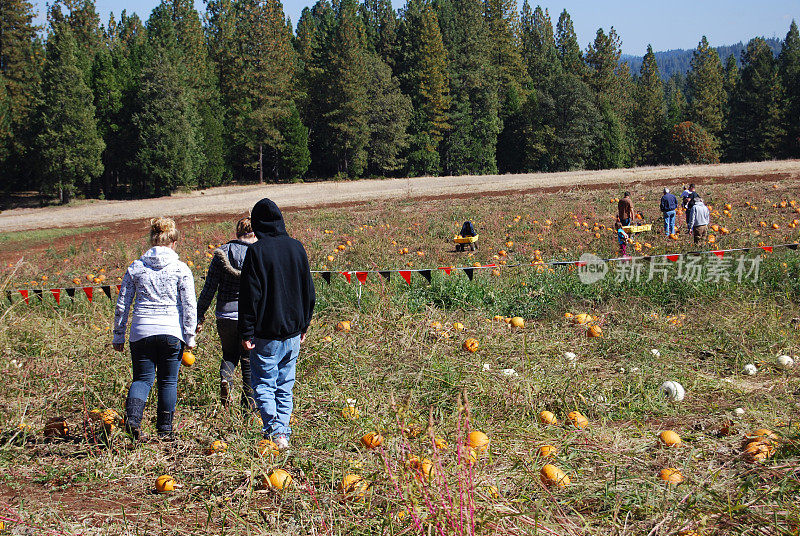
669,222
273,365
157,355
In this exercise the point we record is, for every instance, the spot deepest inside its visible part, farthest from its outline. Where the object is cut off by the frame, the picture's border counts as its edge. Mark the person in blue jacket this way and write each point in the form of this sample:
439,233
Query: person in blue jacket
668,205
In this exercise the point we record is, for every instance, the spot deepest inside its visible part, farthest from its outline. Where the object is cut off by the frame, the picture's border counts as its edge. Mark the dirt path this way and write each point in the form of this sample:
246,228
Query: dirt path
238,199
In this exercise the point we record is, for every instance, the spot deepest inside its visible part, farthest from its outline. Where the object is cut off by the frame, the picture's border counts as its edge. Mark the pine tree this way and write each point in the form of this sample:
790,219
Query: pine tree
569,51
108,90
756,123
576,123
650,111
166,148
539,48
422,67
729,83
611,82
295,158
381,26
5,123
388,117
676,101
704,88
470,145
503,27
69,146
789,70
84,22
20,66
203,83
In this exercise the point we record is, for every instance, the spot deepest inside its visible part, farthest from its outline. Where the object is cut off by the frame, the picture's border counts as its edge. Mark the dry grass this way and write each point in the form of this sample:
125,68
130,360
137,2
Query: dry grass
409,380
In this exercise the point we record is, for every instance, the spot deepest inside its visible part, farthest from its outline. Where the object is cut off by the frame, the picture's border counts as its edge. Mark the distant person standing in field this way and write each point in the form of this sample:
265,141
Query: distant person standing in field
699,217
686,197
163,323
276,301
625,209
669,203
222,279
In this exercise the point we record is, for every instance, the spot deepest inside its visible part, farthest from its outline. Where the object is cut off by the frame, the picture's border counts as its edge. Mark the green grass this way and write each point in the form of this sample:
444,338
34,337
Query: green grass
42,235
412,381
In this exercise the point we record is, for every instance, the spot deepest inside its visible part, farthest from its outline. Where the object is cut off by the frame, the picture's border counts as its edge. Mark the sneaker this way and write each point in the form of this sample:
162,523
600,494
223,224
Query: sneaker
282,442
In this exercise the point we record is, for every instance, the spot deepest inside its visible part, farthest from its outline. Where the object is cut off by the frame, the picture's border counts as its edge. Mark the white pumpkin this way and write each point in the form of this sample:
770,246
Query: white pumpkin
750,369
655,352
570,356
785,361
738,412
673,390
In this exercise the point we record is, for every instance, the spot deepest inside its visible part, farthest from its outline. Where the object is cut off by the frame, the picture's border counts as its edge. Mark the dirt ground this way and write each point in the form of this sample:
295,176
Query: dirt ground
232,200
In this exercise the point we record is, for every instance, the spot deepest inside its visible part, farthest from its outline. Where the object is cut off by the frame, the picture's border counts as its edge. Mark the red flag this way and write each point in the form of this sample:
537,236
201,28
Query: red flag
768,249
56,294
580,264
719,254
406,274
490,265
24,295
346,275
362,277
673,258
88,291
119,287
446,269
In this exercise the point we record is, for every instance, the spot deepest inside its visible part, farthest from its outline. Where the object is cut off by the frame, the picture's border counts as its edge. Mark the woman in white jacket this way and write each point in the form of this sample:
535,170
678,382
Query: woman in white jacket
164,321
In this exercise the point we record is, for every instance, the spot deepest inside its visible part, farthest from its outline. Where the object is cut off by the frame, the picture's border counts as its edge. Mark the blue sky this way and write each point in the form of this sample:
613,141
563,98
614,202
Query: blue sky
664,24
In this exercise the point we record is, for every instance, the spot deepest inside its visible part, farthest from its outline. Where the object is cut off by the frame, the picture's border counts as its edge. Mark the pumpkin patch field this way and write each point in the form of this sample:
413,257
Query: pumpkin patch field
521,400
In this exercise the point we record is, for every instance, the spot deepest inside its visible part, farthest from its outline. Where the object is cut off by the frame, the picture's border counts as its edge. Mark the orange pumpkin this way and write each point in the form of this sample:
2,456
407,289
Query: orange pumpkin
594,331
669,438
471,345
187,359
578,420
353,487
547,451
165,484
372,440
278,479
478,440
758,451
265,447
547,417
671,476
553,476
344,326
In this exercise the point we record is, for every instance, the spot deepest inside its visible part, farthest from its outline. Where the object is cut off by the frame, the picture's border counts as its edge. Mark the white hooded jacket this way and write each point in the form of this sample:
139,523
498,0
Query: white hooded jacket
165,300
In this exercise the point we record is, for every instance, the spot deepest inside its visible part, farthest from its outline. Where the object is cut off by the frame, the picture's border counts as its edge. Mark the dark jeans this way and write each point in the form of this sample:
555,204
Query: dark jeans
232,355
155,356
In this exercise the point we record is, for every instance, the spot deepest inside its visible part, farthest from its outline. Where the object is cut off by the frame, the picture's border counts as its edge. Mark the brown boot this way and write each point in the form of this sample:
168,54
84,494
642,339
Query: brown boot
224,393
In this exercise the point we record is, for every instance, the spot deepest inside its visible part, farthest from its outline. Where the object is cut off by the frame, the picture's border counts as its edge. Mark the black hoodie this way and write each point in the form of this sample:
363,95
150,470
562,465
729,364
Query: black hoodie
276,293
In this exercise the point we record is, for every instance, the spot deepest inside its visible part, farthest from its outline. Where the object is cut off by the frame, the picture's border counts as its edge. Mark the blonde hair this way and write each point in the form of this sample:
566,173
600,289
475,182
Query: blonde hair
243,227
163,232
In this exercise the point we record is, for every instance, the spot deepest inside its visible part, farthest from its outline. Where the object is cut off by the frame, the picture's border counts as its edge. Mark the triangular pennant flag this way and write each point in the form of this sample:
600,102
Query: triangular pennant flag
446,269
386,275
56,294
426,274
70,292
38,293
673,258
119,288
107,290
469,272
405,274
362,277
719,253
326,276
346,275
24,295
89,291
793,247
579,264
768,249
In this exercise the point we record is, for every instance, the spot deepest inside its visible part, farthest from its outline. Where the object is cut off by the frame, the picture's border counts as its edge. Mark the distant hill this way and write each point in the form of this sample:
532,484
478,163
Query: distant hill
677,61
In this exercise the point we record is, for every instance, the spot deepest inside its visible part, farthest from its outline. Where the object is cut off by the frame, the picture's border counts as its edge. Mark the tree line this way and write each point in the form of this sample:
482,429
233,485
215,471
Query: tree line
356,89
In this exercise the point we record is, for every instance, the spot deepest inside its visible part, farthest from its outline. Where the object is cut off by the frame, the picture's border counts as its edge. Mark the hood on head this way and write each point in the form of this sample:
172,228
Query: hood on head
159,257
267,219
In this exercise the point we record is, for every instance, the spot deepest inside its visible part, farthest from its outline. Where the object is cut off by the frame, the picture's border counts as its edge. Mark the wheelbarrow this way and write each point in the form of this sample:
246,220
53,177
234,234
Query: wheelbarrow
462,242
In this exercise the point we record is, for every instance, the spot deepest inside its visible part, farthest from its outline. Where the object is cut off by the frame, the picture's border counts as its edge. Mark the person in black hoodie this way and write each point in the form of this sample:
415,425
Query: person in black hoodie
276,301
